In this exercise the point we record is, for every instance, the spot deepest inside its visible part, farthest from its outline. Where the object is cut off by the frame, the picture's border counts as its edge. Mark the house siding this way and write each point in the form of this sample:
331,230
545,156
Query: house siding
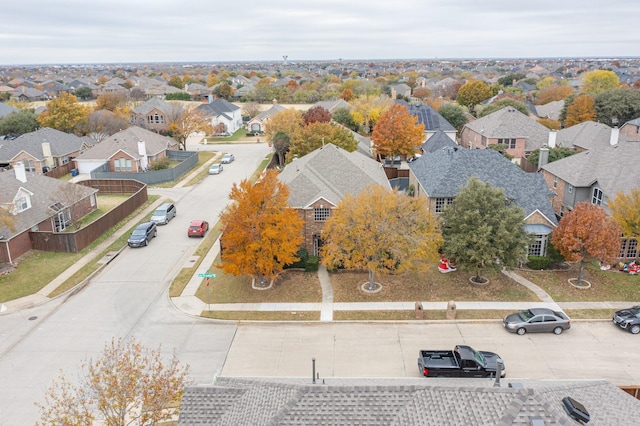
559,190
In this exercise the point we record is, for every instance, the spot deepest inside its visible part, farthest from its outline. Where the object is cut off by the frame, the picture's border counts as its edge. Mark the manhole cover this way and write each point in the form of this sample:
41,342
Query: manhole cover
33,318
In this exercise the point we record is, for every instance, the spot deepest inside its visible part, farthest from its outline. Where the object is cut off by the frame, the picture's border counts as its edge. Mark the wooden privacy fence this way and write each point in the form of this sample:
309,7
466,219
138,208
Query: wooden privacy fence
60,171
73,242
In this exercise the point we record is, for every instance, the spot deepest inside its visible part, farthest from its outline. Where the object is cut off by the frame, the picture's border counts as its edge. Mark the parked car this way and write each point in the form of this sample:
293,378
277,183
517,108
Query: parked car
537,320
164,214
197,228
462,361
215,169
227,158
628,319
142,234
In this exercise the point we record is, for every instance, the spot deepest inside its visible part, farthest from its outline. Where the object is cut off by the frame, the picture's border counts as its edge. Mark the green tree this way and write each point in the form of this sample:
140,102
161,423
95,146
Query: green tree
19,122
397,132
599,81
261,233
454,114
309,138
502,103
508,79
176,81
617,106
223,90
587,231
343,116
84,92
64,113
128,384
178,96
472,93
381,231
483,229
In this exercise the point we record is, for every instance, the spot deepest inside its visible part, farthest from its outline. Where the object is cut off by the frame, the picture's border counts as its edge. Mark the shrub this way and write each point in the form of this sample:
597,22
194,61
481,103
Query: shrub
538,262
553,254
312,264
160,164
178,96
303,255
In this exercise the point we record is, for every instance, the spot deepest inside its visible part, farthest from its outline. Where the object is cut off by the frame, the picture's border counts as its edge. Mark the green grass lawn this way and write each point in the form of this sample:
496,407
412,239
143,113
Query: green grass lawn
240,134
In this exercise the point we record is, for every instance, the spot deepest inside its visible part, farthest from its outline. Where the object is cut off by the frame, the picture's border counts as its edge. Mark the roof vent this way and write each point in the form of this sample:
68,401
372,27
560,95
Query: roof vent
575,410
536,421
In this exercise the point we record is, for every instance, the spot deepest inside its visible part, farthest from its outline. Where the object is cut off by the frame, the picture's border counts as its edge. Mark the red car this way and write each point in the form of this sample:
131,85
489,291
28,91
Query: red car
197,228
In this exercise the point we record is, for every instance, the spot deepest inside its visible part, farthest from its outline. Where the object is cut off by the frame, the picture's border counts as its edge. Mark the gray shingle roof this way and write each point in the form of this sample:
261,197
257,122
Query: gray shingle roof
550,110
400,402
151,104
330,173
268,113
219,107
61,144
614,168
44,190
508,122
127,140
6,109
584,135
443,173
438,141
331,106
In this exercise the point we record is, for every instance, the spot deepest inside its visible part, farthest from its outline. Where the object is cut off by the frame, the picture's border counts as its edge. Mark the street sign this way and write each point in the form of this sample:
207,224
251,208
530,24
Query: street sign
207,275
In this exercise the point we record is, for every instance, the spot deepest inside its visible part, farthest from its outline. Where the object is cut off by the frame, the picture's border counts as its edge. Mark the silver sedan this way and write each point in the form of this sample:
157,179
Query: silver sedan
537,320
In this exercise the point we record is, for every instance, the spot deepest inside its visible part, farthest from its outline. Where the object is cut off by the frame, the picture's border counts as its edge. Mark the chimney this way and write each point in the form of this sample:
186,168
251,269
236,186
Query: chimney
21,174
615,132
552,138
46,152
142,151
210,98
543,158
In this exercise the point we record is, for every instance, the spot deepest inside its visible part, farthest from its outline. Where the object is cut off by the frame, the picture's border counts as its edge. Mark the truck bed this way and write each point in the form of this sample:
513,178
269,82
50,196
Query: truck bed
439,359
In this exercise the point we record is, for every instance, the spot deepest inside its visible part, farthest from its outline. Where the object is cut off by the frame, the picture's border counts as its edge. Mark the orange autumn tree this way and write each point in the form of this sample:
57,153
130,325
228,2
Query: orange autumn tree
261,233
397,132
583,108
587,231
381,231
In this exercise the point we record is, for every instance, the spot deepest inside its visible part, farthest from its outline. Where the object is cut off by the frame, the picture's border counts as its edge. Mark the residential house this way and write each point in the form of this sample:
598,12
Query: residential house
53,89
258,123
198,91
319,180
438,141
333,105
630,129
584,136
38,203
431,119
402,402
400,89
550,110
519,133
28,94
42,150
440,175
155,114
225,116
130,150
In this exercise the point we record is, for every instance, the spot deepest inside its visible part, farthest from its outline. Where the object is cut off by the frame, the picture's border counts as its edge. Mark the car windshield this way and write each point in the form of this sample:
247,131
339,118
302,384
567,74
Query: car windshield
159,212
526,315
195,227
479,357
138,232
635,310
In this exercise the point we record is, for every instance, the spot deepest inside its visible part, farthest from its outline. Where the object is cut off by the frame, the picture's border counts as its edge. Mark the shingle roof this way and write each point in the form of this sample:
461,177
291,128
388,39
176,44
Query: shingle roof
219,107
438,141
331,106
331,173
151,104
6,109
550,110
61,144
443,173
44,190
614,168
127,140
585,135
268,113
429,117
508,122
400,402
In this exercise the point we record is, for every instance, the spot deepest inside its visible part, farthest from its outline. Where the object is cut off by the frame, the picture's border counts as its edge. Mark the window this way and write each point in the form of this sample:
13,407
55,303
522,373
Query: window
29,166
122,165
570,188
510,143
65,159
597,197
441,203
561,211
22,203
321,214
629,248
555,181
537,248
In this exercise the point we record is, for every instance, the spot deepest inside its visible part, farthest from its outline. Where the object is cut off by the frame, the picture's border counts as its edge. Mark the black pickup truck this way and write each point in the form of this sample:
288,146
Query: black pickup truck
462,361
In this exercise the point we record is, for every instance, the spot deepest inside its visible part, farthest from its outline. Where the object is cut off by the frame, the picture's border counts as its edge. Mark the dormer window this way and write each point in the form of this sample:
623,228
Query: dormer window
22,203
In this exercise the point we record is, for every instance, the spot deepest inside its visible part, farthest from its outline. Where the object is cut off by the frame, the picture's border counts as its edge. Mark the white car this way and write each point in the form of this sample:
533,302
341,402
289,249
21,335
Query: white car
215,169
227,158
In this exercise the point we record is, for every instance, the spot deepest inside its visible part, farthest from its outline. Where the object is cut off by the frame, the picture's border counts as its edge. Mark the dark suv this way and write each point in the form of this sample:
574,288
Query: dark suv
142,234
629,319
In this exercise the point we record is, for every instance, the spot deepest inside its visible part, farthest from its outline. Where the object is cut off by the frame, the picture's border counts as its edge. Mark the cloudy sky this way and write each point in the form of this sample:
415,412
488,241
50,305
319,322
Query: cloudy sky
100,31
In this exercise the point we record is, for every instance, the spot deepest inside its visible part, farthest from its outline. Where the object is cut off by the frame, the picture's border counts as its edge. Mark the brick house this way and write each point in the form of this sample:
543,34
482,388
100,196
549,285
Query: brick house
38,203
521,134
130,150
438,177
319,180
154,115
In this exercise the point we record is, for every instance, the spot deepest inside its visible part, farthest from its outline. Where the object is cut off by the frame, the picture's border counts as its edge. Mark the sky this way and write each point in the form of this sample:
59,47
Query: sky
136,31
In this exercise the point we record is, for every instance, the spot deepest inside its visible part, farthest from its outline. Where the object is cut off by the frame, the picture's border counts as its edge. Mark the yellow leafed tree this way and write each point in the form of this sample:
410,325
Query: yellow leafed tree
625,211
381,231
288,121
64,113
261,233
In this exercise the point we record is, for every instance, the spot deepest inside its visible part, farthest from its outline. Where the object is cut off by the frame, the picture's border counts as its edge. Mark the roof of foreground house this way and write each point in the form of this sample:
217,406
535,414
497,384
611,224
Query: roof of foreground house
330,173
401,402
443,173
438,141
61,144
127,141
508,122
219,107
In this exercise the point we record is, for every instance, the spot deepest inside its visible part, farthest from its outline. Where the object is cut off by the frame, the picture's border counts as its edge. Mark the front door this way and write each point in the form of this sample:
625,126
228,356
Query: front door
318,242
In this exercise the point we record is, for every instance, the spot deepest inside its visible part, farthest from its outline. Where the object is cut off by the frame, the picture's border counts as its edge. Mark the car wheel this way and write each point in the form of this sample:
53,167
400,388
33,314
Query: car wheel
521,331
557,330
155,233
635,329
146,242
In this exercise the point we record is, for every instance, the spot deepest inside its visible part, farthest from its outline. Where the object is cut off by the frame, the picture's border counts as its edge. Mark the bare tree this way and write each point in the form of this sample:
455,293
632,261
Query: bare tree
251,109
